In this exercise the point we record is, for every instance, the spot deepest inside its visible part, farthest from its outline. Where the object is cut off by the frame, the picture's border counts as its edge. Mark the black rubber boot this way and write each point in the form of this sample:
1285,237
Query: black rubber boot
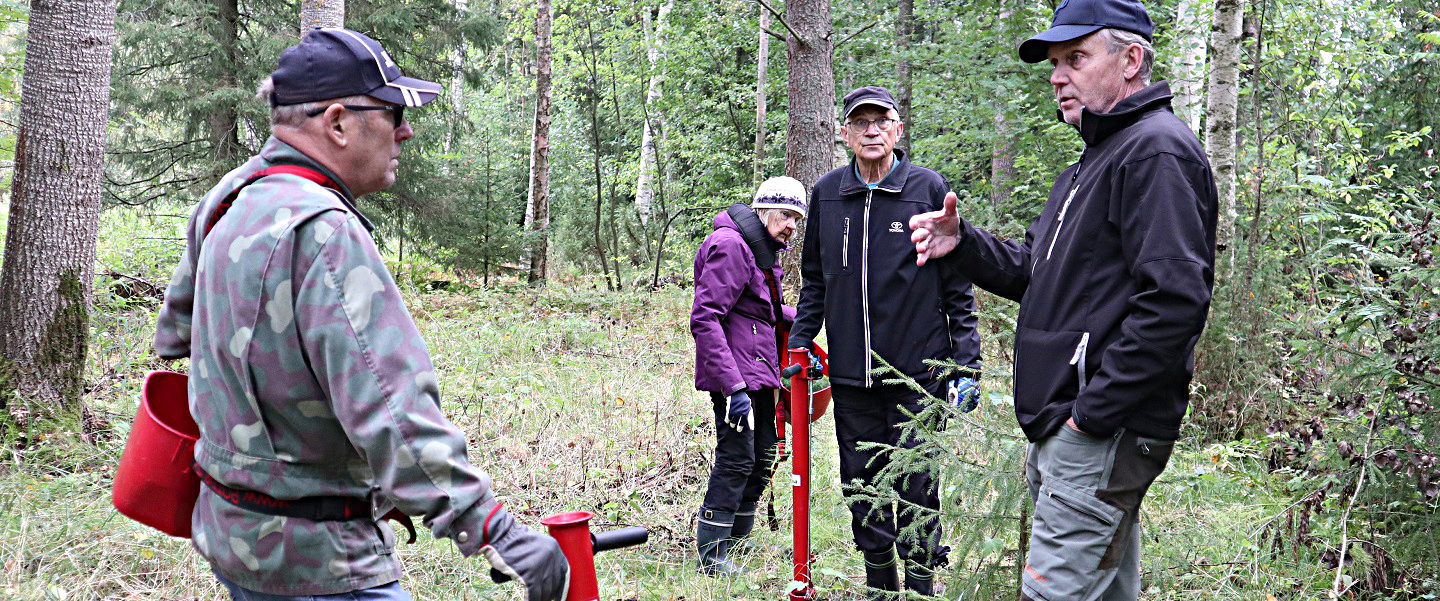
919,579
880,574
712,538
744,521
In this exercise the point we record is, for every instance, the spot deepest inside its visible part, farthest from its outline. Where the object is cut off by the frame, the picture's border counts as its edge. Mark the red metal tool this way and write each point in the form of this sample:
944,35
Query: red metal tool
572,531
802,403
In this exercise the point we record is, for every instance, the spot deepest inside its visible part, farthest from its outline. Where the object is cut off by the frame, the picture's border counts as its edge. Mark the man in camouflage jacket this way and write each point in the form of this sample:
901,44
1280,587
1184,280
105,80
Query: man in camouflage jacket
308,376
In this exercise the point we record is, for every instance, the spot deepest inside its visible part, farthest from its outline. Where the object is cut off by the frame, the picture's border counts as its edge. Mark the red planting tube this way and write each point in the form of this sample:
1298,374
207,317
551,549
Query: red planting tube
572,531
800,479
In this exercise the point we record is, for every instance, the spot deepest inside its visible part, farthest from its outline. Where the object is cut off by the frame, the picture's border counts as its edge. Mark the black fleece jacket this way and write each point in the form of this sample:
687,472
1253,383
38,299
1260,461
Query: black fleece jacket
1113,278
861,281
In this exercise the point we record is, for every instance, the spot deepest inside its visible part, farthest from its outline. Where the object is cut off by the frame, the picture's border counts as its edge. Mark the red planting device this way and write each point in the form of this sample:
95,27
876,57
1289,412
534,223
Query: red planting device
800,370
572,531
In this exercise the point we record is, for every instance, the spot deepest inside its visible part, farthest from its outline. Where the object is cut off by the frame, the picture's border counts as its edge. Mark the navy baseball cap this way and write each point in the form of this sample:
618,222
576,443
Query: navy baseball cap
1079,18
335,63
875,95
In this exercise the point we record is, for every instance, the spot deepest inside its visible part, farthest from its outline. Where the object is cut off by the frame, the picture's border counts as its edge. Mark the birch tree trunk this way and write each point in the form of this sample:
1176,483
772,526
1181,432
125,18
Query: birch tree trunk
458,56
1189,80
1002,163
55,206
537,212
315,14
904,35
1220,110
810,135
762,65
645,182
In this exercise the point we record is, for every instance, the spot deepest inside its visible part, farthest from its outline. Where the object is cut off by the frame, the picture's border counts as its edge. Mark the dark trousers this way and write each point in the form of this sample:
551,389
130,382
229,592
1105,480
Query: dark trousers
742,459
875,415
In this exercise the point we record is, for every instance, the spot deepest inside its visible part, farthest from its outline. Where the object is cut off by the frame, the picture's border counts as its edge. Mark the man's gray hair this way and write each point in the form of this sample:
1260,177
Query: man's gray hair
1119,39
294,115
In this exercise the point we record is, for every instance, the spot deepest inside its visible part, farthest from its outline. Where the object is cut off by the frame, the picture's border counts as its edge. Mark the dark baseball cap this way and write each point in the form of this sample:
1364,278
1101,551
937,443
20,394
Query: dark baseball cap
1078,18
875,95
335,63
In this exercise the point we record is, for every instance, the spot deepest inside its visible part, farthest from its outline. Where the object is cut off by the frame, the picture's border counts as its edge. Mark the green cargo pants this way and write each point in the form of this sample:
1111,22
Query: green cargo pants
1085,540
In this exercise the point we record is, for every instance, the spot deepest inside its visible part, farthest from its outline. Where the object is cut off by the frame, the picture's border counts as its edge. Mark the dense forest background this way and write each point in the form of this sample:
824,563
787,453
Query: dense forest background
1316,375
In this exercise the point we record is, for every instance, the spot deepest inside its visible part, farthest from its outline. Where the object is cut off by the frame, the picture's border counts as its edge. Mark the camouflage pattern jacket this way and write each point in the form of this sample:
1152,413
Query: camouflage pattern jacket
308,378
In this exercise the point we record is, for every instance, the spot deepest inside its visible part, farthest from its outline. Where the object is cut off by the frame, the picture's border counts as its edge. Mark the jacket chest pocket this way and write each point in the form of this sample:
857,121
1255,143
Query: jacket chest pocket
839,234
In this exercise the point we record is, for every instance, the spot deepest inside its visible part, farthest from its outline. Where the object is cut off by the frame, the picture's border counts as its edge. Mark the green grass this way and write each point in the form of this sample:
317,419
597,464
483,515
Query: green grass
578,399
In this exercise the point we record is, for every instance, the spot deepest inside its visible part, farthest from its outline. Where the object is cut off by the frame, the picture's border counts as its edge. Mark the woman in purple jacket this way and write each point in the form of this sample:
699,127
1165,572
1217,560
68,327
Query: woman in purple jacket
737,311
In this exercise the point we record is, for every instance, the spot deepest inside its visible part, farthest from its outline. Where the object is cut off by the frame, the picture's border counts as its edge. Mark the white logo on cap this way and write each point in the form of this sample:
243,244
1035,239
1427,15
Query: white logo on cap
386,56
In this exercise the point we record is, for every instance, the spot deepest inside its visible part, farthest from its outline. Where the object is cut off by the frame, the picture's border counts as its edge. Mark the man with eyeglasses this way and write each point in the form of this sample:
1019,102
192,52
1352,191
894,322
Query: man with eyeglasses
862,283
316,399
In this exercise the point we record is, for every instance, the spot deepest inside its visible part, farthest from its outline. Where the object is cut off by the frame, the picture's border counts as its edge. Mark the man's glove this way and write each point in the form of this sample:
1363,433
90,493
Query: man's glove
526,556
963,393
738,413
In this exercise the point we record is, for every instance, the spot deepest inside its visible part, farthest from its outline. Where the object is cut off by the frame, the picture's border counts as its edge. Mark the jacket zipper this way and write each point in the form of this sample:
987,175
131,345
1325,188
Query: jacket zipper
845,246
1060,219
1078,360
865,280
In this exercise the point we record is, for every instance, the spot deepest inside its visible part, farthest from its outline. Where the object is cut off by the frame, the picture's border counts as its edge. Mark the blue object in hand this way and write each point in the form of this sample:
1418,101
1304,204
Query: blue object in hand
963,393
737,412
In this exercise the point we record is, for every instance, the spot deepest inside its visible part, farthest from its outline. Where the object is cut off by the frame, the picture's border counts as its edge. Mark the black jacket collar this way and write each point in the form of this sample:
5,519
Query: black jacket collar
894,182
1095,127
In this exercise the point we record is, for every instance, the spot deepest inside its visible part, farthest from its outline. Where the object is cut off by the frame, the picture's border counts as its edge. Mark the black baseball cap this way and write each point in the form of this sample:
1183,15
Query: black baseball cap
1079,18
335,63
875,95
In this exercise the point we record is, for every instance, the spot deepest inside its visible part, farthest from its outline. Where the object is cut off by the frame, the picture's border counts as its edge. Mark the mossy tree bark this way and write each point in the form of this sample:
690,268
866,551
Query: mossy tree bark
55,206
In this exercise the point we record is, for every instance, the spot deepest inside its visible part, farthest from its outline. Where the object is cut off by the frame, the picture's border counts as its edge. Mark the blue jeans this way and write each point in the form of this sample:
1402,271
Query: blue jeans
384,592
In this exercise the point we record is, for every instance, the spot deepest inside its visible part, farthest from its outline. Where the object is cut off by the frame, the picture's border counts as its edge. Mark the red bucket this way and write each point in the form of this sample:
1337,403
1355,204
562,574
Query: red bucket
154,484
820,398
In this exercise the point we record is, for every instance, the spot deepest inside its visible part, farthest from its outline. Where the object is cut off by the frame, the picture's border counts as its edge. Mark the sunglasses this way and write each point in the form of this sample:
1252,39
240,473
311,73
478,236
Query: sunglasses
397,111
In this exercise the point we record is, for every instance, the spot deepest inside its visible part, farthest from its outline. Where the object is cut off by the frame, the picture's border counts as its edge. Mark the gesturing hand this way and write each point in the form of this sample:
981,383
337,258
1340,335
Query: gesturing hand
936,233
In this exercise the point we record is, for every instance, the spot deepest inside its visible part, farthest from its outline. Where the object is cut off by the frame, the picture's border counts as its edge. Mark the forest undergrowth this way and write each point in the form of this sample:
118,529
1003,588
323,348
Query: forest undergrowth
575,398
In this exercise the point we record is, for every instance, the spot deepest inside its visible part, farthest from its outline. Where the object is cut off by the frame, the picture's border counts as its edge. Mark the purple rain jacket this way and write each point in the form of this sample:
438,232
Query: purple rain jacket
732,319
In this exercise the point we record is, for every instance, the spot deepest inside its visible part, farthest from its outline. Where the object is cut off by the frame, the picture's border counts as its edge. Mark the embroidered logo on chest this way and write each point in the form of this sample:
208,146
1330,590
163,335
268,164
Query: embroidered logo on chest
897,227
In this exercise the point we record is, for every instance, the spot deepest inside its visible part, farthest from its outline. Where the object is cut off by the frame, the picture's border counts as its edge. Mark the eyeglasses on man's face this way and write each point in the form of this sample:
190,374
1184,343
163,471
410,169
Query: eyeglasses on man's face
860,126
396,111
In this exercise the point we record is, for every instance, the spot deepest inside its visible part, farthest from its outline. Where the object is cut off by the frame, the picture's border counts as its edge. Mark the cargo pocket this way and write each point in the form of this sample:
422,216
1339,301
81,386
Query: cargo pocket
1052,364
1071,533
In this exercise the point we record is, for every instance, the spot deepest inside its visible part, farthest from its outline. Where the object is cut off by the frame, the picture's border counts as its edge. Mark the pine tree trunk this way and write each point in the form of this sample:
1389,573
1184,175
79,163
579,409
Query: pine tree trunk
904,36
1189,80
1220,110
762,66
537,215
224,135
55,206
315,14
810,136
